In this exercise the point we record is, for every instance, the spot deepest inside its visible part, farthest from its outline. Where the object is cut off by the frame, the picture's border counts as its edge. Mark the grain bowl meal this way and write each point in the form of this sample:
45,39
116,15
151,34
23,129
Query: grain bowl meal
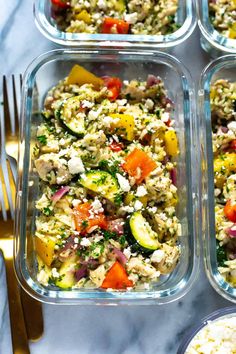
223,16
116,16
106,157
216,337
223,108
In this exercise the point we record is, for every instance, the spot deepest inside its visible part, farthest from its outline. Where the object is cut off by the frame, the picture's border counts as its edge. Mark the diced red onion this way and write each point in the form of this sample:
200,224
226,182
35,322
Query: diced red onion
232,231
232,256
117,226
173,176
224,129
60,193
152,80
68,249
91,262
119,255
81,272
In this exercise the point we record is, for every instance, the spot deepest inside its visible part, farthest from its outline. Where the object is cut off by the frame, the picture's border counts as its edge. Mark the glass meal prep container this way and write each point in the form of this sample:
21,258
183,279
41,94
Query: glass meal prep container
223,68
185,18
212,40
221,317
44,73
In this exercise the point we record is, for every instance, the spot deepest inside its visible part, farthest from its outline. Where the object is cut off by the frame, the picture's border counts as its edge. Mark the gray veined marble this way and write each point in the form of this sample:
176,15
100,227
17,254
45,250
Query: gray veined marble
101,330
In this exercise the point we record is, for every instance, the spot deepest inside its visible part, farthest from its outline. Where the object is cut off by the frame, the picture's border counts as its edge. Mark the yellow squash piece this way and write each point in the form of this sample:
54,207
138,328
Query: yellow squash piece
225,164
45,249
84,16
171,143
124,127
232,31
81,76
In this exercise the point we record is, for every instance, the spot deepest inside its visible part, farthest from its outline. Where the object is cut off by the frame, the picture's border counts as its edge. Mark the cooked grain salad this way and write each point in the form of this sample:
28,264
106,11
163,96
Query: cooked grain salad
105,156
223,106
116,16
223,16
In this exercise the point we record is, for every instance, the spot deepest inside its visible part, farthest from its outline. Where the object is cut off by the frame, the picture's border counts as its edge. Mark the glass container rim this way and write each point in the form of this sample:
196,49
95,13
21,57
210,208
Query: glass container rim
217,40
81,39
214,277
67,297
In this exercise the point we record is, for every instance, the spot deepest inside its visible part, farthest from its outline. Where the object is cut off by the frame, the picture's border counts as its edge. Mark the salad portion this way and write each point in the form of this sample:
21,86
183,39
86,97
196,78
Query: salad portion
223,16
106,156
116,16
223,106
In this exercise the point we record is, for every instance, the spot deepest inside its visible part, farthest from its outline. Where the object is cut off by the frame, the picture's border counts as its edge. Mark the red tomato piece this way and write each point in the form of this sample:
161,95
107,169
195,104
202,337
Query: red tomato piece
230,211
83,220
61,4
139,165
233,144
116,278
114,86
113,25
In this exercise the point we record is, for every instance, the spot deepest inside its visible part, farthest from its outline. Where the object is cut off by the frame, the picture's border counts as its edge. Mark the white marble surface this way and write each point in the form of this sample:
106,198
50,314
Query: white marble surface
102,330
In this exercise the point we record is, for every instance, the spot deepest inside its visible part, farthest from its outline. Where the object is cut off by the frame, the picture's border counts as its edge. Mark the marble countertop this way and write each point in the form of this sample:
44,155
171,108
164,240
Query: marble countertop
103,330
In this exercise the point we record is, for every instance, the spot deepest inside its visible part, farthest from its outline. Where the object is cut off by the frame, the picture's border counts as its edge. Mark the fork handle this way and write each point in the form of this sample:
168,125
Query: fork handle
18,330
33,316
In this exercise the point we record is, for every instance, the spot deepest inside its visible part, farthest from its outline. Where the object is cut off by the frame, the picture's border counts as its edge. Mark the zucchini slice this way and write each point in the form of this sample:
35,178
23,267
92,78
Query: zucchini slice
101,182
143,233
71,117
67,277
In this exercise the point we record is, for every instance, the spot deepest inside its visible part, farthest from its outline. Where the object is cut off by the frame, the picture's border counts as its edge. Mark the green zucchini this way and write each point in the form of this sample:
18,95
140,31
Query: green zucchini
68,115
101,182
143,233
67,277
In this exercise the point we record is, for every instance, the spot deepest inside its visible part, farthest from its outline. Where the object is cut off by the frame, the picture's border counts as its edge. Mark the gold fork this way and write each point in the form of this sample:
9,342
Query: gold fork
18,330
32,309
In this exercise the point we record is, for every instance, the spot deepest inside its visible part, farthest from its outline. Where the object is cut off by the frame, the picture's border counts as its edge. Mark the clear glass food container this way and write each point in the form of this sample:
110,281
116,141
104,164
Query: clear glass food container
46,24
222,68
221,314
212,41
44,73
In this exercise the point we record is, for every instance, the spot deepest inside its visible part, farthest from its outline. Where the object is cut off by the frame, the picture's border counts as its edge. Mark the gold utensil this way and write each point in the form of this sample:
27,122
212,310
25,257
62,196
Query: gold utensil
18,330
32,308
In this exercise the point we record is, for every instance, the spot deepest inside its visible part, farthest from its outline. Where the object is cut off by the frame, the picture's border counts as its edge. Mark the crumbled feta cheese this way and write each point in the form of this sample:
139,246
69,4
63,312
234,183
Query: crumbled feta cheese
97,206
141,191
232,126
153,210
85,242
87,104
131,18
149,104
76,165
138,205
127,252
55,273
157,256
165,116
123,182
76,240
43,277
127,209
102,4
76,202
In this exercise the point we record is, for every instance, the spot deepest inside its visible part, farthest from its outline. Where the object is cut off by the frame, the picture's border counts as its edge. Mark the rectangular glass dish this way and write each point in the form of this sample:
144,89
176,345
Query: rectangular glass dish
223,68
185,17
212,40
44,73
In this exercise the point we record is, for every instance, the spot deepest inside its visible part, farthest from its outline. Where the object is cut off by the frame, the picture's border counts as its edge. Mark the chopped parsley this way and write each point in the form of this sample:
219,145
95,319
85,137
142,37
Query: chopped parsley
42,139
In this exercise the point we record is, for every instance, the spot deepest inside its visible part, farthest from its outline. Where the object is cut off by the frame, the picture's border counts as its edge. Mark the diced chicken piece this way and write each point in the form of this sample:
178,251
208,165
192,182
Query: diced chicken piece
52,169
